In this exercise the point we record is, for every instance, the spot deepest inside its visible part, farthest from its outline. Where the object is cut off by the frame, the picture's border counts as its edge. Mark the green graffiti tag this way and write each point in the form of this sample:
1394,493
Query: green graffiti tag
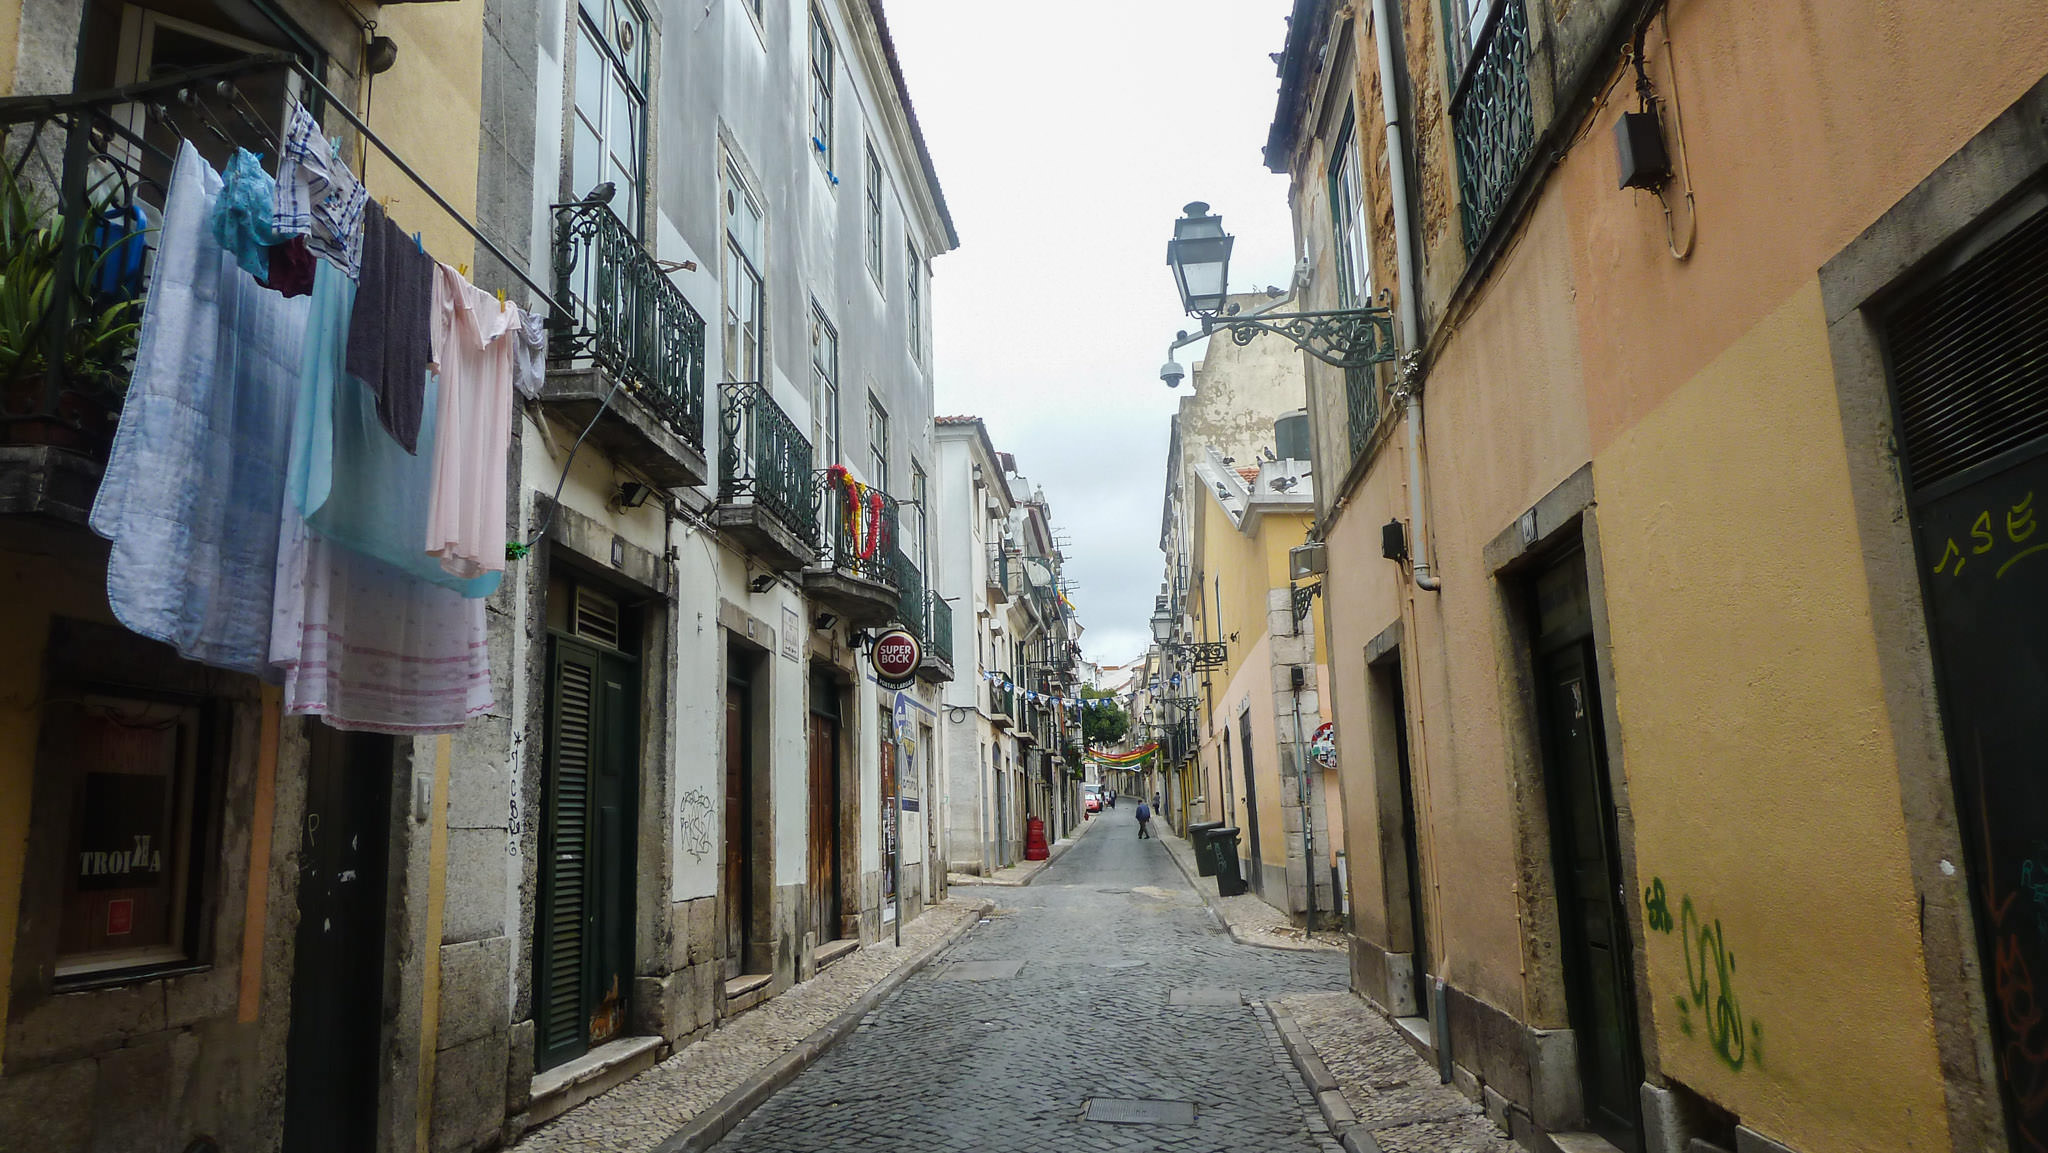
1657,907
1710,1005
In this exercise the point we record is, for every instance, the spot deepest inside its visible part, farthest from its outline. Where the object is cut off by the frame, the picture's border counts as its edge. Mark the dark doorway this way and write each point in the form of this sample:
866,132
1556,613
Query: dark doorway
1251,803
332,1060
891,821
1405,903
583,953
824,874
1599,982
1968,352
743,851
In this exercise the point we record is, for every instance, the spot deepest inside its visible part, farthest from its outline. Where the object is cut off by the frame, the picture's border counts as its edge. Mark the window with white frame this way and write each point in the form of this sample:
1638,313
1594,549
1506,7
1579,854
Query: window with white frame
745,235
1348,222
878,443
1468,24
824,385
821,89
918,488
874,195
914,303
609,112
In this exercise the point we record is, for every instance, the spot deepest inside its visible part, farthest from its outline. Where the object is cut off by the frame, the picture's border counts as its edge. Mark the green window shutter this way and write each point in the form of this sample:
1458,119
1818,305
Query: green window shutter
565,862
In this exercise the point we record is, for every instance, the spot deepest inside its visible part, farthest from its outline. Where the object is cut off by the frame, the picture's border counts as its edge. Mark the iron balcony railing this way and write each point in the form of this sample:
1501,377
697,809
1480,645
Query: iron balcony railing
938,641
1493,121
1002,700
857,527
626,317
1361,405
763,460
910,599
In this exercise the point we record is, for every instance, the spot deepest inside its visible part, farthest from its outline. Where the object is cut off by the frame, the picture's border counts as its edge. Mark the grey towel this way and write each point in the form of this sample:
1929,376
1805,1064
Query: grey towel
389,335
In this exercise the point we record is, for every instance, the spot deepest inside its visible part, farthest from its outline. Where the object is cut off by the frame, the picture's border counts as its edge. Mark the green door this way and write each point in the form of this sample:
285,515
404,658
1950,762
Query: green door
583,952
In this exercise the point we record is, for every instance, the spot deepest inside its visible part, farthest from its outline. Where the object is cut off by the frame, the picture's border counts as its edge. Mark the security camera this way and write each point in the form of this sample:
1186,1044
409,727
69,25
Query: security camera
1172,373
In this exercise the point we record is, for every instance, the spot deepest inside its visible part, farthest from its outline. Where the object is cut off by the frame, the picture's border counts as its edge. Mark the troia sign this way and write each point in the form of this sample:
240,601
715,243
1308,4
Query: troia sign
897,654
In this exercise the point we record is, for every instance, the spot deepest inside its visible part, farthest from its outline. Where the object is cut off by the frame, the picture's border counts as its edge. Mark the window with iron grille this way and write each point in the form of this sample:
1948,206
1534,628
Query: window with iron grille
1493,120
824,385
821,89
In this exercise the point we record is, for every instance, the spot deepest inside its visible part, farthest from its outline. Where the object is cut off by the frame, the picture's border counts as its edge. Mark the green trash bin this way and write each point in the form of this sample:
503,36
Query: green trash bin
1198,839
1223,844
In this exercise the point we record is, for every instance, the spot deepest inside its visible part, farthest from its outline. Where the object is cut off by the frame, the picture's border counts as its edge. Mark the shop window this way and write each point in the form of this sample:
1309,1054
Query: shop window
131,775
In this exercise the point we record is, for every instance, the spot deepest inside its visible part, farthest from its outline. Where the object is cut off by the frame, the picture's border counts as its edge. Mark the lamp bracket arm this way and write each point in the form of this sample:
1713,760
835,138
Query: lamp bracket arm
1342,338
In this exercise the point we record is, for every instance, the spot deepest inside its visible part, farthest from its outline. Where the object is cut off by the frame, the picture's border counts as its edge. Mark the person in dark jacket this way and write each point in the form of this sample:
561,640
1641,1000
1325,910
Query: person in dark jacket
1144,821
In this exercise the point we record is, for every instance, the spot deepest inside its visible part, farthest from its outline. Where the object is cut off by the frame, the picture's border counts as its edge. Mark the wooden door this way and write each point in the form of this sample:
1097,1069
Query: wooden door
738,888
824,871
1596,948
1251,804
332,1061
584,924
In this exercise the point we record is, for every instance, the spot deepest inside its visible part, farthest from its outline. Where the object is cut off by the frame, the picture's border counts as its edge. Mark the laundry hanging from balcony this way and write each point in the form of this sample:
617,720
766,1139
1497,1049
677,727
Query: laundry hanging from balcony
264,512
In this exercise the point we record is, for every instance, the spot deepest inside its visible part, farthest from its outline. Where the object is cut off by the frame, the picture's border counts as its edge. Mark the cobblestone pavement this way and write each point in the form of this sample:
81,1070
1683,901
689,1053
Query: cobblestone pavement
1394,1092
643,1112
1250,919
1106,979
1023,872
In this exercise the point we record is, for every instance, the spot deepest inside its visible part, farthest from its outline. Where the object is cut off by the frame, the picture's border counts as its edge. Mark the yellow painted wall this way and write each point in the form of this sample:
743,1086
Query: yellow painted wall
33,588
1760,756
429,109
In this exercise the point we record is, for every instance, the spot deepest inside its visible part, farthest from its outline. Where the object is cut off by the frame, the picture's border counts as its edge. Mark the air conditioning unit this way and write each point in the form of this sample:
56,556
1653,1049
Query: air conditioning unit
1308,560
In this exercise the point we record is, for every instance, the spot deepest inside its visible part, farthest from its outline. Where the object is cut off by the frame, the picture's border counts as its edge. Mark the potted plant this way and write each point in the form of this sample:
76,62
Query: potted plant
101,315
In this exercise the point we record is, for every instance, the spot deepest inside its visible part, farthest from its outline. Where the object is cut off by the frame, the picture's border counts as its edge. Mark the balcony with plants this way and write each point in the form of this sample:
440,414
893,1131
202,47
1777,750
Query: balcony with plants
855,572
765,496
626,354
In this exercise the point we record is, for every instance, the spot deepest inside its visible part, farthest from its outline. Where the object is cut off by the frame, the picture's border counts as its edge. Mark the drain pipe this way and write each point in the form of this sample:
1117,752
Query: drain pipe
1408,386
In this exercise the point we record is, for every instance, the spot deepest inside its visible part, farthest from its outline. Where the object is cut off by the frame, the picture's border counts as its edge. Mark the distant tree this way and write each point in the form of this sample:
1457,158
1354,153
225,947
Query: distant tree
1106,725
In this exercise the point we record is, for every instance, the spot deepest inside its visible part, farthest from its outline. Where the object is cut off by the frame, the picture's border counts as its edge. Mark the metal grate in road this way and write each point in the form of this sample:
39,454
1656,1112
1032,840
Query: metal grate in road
1122,1111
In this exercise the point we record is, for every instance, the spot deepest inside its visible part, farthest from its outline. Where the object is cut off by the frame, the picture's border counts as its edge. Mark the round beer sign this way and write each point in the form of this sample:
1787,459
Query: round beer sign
896,656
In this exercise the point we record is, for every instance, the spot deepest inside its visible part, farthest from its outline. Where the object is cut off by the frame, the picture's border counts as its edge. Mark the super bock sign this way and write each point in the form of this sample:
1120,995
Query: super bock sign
896,655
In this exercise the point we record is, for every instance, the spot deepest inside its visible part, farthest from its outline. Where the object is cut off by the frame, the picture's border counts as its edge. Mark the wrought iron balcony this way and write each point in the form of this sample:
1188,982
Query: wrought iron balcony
938,640
764,478
910,599
1493,121
1002,705
627,328
855,571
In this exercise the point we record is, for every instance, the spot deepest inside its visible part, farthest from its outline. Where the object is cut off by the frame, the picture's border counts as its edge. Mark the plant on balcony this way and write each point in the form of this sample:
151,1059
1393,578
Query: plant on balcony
97,349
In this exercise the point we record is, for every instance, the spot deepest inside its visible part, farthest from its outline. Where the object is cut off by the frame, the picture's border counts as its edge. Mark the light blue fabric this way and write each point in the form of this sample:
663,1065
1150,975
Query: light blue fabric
354,484
243,212
196,475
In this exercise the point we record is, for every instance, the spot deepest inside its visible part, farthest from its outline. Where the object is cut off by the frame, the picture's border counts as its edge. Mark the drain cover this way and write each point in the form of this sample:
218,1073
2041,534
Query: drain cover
1121,1111
981,970
1187,997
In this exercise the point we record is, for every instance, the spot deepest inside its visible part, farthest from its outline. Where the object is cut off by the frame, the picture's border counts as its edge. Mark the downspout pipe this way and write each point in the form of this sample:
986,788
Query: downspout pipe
1408,385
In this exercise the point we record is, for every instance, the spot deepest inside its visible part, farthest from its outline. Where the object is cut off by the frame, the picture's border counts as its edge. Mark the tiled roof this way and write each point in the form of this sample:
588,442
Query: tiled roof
1250,475
956,420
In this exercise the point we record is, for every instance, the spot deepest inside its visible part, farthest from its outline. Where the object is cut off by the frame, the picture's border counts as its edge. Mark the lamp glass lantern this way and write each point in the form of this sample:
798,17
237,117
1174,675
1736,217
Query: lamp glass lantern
1162,624
1199,255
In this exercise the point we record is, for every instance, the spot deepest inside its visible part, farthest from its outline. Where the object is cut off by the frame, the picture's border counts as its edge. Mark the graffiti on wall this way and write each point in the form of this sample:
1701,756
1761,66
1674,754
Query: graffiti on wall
1710,1008
695,836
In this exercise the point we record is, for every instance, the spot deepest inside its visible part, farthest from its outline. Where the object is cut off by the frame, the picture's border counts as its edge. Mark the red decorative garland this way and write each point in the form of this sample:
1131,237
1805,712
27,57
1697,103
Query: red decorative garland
867,540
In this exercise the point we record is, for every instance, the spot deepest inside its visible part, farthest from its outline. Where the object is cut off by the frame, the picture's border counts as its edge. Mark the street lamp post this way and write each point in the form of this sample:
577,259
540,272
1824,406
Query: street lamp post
1199,255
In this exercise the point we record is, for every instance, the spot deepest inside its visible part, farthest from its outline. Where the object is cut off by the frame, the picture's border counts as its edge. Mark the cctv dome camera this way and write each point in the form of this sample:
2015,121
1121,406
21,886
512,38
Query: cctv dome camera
1172,373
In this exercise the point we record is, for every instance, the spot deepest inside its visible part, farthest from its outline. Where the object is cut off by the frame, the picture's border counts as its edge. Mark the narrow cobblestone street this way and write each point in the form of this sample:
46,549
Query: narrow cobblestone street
1105,981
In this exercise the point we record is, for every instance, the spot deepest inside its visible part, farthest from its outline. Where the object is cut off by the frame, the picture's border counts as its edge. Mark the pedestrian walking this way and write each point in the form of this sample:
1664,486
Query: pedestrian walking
1144,821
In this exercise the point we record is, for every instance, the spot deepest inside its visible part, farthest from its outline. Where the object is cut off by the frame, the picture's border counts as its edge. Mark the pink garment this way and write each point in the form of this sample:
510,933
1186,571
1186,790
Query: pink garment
473,349
368,647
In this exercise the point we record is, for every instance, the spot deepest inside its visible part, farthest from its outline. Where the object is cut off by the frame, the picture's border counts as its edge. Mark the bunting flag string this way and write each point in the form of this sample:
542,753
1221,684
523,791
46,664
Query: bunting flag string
1121,760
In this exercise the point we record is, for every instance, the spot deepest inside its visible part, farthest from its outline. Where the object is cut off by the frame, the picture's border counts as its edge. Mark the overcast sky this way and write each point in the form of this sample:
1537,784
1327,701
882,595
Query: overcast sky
1067,135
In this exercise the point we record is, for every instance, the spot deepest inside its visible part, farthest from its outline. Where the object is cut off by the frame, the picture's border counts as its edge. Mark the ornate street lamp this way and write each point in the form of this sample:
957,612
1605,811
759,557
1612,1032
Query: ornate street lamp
1199,255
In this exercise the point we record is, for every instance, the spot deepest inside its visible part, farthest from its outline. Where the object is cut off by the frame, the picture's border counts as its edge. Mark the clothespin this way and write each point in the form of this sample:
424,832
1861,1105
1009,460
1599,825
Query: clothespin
416,244
462,270
501,298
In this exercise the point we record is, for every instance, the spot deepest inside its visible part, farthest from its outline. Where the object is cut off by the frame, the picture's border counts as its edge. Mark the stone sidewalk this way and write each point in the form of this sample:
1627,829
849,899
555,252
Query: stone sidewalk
1023,872
1375,1091
692,1098
1251,921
